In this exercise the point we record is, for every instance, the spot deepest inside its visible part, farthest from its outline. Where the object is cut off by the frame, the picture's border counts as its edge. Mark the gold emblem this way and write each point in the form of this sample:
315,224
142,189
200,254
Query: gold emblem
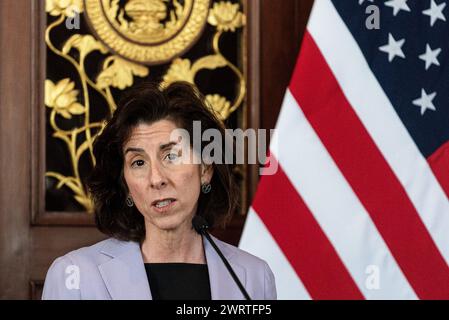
147,31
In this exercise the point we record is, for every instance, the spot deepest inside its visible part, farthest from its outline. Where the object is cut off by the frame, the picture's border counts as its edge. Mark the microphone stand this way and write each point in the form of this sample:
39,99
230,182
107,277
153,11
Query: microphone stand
201,226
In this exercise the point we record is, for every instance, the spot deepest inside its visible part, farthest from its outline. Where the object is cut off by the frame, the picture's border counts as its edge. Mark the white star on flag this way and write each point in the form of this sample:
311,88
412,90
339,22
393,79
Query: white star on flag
398,5
425,102
393,48
435,12
361,1
430,56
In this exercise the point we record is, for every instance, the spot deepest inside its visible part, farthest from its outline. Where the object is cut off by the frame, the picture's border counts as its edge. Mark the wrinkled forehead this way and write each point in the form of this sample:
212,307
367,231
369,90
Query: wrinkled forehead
153,136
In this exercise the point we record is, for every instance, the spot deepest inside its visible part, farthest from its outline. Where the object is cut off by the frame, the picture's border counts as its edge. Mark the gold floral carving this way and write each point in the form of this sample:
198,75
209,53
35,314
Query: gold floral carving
225,16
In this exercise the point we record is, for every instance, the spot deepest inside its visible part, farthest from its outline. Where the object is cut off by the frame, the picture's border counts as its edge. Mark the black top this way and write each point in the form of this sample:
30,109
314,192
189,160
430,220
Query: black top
178,281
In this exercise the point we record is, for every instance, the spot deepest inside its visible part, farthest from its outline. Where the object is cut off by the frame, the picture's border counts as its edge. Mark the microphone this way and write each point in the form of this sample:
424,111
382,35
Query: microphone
200,225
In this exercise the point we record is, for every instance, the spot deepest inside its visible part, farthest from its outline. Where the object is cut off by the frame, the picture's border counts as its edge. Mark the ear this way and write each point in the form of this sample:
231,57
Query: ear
207,170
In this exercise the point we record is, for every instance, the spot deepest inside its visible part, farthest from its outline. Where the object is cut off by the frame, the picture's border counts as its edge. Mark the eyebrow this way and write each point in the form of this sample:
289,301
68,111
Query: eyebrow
131,149
167,145
161,147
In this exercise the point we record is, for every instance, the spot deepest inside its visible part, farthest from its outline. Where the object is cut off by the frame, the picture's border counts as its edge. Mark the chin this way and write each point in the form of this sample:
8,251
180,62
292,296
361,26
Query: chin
168,223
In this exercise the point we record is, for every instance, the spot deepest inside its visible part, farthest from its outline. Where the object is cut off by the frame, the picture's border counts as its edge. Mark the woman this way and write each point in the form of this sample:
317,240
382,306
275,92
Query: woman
146,189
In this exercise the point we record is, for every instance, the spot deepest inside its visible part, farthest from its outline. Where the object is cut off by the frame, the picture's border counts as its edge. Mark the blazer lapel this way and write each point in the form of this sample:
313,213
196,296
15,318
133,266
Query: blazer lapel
124,275
222,284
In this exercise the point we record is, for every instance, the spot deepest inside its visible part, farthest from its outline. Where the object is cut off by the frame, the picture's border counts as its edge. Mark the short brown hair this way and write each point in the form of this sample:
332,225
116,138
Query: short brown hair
149,102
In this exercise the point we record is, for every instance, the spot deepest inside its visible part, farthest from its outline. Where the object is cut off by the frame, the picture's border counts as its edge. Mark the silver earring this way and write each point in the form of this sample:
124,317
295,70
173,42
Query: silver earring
206,187
129,201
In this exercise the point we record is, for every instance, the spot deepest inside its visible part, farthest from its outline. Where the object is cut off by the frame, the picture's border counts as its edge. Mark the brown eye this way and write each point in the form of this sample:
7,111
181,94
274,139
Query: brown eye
137,163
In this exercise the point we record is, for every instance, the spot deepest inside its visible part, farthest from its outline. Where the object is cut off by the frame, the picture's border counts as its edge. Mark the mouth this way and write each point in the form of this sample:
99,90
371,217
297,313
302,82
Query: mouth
162,205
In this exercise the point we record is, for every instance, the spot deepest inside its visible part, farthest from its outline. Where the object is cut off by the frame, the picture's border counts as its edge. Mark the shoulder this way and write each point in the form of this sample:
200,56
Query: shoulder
63,280
96,253
257,270
89,256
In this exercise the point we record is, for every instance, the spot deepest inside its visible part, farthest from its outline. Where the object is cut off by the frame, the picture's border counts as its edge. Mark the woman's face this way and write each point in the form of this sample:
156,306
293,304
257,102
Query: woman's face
163,188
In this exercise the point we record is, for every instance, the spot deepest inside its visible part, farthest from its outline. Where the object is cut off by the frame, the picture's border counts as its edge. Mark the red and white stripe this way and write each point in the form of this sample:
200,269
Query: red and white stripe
352,189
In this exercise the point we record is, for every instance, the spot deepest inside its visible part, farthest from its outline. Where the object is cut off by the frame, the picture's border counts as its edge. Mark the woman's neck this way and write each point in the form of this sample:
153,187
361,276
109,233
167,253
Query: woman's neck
162,246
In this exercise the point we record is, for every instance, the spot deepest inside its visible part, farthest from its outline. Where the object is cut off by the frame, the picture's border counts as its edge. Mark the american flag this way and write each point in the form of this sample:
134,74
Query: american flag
358,208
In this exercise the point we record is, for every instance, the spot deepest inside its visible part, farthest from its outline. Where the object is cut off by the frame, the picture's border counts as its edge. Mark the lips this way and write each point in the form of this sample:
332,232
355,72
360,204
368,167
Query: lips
163,205
162,200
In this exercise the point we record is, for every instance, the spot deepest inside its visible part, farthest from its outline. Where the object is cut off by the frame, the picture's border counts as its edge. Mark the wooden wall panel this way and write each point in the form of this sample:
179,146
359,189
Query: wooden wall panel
15,68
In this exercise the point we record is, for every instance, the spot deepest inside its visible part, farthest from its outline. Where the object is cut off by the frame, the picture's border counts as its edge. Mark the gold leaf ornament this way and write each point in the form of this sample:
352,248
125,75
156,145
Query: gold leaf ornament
84,43
211,62
183,70
119,73
226,16
64,7
180,70
62,97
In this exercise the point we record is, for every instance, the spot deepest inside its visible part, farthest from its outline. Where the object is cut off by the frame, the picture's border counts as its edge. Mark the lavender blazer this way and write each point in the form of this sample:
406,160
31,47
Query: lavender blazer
113,269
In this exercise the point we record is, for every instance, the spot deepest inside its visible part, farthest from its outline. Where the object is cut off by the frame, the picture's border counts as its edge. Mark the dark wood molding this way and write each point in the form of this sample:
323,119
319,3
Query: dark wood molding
37,109
253,80
46,218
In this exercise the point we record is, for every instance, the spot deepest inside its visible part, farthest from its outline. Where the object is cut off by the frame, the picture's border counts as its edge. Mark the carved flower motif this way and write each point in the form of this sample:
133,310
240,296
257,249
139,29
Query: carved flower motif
63,98
219,105
226,16
64,7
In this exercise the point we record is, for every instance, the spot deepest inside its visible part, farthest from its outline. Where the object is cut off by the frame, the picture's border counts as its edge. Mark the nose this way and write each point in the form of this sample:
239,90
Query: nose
157,178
